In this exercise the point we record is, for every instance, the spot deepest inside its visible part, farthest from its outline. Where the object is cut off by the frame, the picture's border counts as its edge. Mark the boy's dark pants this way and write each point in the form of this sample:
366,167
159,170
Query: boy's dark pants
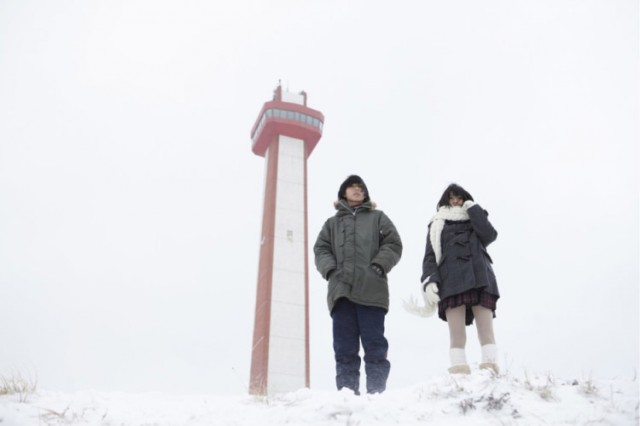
351,324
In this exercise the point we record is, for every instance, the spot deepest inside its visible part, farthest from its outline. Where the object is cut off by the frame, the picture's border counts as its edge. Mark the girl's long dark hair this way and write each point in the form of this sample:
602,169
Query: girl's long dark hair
456,190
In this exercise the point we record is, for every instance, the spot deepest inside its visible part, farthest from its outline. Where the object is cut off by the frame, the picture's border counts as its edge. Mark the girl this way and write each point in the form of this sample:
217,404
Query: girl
457,276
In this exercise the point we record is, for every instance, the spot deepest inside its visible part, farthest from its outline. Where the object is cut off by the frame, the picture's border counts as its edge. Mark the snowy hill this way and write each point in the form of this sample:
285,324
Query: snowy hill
478,399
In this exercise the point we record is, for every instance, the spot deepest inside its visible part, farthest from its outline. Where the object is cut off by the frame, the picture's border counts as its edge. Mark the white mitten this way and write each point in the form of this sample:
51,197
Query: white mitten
468,204
431,299
431,294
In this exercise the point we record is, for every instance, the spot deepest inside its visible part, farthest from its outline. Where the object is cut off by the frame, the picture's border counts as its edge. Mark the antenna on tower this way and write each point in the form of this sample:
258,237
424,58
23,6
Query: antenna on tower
277,93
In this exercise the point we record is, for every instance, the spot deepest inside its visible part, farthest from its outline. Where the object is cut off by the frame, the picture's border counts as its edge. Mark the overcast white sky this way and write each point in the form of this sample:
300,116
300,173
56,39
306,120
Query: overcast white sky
130,200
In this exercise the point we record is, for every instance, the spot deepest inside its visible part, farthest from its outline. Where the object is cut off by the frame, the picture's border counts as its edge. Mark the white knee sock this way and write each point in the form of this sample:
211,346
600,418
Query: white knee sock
457,356
490,353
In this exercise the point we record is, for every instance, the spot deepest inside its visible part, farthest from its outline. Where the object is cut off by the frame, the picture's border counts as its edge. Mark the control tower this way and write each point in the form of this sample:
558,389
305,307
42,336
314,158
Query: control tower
285,133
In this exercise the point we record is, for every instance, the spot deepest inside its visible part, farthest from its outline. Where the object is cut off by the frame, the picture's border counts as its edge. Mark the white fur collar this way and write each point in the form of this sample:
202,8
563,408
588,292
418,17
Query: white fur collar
437,223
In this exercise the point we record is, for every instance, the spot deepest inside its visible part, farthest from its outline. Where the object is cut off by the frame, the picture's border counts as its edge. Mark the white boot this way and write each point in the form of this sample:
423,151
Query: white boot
490,358
458,360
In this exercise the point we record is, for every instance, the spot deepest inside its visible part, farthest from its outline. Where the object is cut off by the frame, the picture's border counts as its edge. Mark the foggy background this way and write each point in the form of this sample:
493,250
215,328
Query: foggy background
131,203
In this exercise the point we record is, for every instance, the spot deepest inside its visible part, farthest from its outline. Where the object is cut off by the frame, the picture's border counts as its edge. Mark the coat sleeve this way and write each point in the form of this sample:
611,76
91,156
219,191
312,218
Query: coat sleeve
325,258
481,225
430,272
390,246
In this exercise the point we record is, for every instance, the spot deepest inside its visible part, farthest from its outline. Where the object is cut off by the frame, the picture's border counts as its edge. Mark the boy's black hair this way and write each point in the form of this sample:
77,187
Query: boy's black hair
352,180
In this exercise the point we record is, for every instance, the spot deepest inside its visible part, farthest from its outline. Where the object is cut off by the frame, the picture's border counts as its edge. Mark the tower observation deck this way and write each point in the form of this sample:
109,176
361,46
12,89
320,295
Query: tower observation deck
286,115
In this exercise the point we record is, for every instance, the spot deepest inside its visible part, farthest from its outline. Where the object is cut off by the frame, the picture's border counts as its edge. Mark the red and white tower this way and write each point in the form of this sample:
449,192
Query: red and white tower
285,133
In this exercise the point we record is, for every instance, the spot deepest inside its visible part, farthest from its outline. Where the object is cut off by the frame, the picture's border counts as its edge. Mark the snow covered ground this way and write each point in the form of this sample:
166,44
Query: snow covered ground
478,399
